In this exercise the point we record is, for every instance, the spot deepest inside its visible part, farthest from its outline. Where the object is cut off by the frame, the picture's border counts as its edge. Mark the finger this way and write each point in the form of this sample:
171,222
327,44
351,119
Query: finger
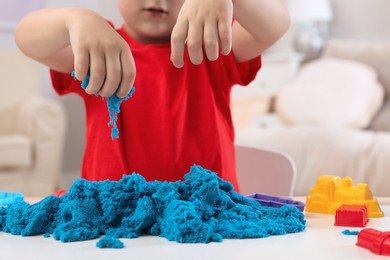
225,35
210,40
97,73
178,40
194,42
113,75
128,74
81,63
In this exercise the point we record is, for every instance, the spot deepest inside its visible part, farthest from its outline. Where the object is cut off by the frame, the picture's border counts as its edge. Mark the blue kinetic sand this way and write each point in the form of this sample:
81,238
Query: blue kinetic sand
109,242
113,105
348,232
201,209
274,201
7,198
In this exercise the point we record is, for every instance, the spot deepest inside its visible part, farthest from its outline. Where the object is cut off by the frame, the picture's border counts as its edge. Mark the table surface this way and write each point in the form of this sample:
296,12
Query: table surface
320,240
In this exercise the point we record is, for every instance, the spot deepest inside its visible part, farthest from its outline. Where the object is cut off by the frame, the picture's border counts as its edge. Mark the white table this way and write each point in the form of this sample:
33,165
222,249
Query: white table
320,240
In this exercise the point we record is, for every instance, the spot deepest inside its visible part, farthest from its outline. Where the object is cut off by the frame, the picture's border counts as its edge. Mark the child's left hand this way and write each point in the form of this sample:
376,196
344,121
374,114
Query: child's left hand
202,24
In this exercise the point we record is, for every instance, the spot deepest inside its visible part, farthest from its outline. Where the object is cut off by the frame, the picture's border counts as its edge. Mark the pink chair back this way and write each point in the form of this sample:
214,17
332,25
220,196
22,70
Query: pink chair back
264,171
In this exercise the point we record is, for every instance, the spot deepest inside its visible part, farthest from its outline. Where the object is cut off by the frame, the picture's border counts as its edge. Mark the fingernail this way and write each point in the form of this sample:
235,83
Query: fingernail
178,64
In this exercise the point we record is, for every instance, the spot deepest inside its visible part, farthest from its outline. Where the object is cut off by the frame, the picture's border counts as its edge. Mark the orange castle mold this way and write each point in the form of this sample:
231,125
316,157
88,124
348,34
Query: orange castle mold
330,192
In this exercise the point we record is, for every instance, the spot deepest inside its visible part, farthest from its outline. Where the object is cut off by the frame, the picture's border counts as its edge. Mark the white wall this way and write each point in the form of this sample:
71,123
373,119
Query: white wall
353,19
361,19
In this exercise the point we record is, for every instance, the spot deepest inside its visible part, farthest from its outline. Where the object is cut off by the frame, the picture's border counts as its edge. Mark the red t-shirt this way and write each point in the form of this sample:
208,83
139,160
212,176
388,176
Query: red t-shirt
176,117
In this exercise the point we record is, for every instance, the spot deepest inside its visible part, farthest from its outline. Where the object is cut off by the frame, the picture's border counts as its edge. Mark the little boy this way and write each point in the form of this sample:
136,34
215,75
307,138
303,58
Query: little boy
170,50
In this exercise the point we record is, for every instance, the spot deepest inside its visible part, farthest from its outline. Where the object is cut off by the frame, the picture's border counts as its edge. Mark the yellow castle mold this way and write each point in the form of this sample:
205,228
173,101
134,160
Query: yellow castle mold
330,192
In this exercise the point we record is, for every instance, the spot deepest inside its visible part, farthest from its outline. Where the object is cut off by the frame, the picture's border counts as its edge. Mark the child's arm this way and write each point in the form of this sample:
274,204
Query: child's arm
260,24
78,39
207,24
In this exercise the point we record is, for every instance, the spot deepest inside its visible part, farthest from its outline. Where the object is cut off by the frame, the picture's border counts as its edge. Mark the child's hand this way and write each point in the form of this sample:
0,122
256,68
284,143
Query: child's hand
99,48
202,24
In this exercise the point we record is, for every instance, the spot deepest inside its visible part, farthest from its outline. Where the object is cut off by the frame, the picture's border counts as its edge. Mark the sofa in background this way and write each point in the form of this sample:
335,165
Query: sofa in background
342,128
32,129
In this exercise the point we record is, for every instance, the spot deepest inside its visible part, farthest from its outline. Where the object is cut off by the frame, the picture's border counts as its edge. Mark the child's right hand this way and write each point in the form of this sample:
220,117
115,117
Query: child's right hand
67,39
99,48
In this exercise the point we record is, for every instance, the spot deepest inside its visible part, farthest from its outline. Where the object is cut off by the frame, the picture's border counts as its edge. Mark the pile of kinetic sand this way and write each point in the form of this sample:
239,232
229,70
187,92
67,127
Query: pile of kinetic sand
7,198
203,208
113,105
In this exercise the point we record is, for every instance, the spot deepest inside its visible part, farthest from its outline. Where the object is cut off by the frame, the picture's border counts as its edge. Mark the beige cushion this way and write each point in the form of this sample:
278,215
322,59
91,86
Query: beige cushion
377,55
8,120
15,151
331,91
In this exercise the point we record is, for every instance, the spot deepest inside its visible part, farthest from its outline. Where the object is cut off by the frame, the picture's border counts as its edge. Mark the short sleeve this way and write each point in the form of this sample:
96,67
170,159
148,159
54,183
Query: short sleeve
64,83
244,72
248,70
